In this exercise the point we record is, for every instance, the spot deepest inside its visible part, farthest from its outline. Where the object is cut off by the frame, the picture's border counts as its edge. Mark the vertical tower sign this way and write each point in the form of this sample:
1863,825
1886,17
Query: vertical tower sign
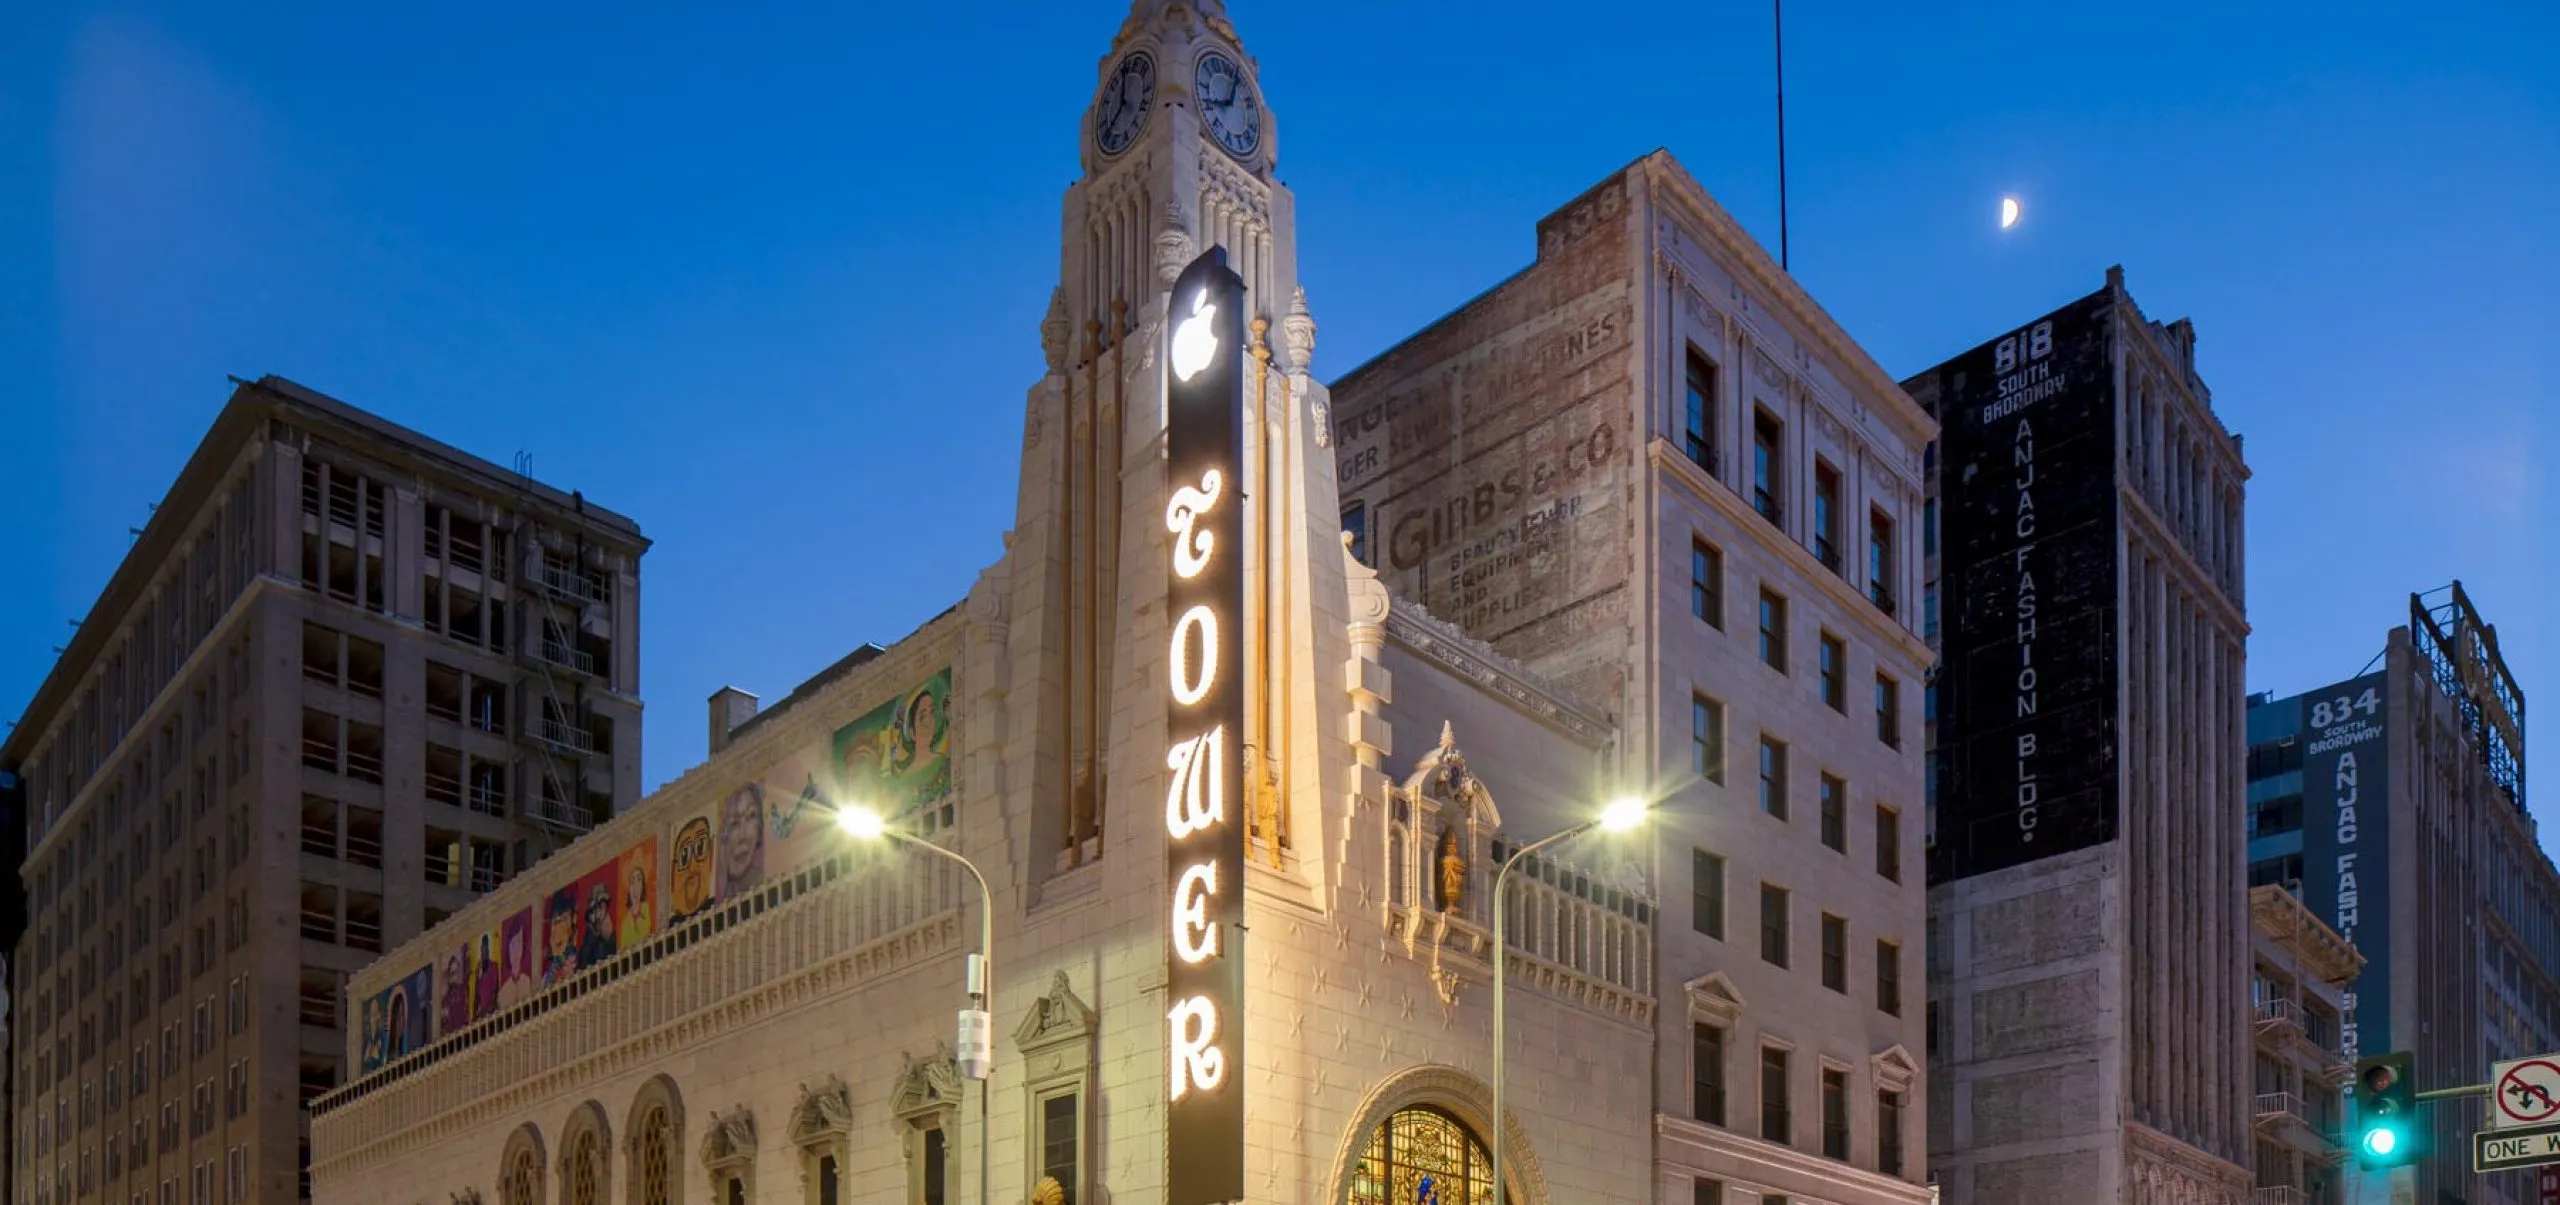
1204,712
2027,701
2346,833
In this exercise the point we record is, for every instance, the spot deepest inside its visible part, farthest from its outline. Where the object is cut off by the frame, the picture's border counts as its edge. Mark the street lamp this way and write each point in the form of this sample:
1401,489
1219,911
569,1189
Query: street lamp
1618,817
977,1027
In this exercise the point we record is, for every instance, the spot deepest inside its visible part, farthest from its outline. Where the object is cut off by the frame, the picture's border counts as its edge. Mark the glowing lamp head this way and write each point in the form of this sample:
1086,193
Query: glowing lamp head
2381,1141
1623,814
861,823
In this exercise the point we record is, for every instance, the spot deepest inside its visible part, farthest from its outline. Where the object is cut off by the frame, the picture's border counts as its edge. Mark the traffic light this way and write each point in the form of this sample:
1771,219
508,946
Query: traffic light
2386,1115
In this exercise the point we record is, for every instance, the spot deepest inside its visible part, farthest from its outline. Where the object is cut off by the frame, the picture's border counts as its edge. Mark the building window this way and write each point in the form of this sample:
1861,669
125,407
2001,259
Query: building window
522,1183
1929,527
1888,979
1355,524
1706,738
1776,1121
1773,777
1767,478
1698,430
1059,1135
937,1184
1773,631
1773,925
1706,1192
1880,560
585,1169
1835,814
1421,1145
1706,893
1835,953
1706,1073
1835,1113
1835,673
1889,1133
654,1152
830,1189
1888,844
1888,711
1826,515
1706,583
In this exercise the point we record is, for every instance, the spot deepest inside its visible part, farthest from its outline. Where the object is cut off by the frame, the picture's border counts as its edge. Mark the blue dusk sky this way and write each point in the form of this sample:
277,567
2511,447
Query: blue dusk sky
767,277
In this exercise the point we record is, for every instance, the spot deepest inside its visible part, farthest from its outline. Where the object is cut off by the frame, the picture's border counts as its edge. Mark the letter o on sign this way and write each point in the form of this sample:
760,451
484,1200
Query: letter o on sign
1193,678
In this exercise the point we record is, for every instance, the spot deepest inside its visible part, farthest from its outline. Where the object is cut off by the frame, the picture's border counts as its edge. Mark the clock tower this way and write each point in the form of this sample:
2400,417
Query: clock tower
1179,155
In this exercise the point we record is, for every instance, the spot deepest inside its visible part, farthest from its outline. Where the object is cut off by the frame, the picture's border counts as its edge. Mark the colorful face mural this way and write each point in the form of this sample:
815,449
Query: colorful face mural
518,974
398,1020
598,917
742,840
691,870
896,758
560,937
453,980
637,874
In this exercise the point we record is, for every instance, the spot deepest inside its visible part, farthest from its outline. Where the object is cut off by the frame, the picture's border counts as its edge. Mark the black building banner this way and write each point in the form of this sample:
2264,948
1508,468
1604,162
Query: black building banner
1204,712
2346,833
2027,679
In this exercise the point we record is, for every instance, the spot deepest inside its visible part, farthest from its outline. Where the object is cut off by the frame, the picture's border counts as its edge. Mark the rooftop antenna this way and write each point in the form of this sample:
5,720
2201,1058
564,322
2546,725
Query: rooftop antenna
1778,13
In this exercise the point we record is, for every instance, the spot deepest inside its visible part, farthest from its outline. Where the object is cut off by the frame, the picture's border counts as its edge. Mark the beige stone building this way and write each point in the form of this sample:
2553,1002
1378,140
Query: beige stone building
2301,974
347,680
1652,469
774,1018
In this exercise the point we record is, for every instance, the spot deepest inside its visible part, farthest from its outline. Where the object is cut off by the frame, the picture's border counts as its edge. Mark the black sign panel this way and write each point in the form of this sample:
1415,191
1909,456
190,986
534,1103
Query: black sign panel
2027,677
1204,710
2346,833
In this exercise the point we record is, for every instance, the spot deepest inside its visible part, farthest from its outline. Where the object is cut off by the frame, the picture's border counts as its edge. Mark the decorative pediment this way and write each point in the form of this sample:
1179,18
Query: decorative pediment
926,1085
1442,775
1714,1000
1055,1019
729,1142
468,1196
1894,1069
824,1114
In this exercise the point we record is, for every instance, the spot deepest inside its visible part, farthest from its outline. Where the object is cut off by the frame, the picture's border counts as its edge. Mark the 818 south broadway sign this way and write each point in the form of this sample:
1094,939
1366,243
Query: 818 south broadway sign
1204,712
2029,678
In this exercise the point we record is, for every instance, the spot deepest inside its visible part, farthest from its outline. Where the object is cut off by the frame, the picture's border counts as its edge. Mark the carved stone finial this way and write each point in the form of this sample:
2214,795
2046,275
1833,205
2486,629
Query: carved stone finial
1448,734
1053,331
1173,246
1298,332
1050,1192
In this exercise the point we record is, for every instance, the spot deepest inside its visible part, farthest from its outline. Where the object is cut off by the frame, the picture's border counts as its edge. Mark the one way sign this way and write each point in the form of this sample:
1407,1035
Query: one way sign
2503,1150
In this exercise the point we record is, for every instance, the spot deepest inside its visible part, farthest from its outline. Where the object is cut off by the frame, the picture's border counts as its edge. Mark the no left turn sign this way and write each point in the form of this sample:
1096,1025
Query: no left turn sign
2527,1092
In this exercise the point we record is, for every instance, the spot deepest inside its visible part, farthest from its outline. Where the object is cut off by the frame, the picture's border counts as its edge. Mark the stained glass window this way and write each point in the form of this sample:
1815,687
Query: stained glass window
656,1140
1422,1156
586,1171
523,1180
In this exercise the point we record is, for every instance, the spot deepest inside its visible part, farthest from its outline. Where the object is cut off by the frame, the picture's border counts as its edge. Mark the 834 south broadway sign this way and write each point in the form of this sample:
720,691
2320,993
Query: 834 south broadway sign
1204,712
2028,680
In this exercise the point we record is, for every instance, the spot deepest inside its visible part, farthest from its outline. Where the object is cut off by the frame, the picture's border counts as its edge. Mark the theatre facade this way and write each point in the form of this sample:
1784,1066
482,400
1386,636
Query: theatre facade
1236,808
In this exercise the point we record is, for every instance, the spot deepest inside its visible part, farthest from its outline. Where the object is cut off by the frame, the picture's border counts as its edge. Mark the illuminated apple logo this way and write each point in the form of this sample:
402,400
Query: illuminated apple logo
1195,342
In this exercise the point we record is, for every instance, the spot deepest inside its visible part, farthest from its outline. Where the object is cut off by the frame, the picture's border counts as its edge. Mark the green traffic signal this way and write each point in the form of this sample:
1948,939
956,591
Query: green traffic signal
2386,1112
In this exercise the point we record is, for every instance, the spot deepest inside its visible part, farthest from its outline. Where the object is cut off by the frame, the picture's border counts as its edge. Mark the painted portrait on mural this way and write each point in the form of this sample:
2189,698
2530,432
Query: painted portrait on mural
517,978
373,1035
488,964
454,993
398,1020
742,840
596,916
560,937
690,870
638,872
896,758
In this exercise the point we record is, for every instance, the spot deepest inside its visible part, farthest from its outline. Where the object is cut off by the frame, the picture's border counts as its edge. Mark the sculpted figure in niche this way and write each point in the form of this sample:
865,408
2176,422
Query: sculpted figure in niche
1453,870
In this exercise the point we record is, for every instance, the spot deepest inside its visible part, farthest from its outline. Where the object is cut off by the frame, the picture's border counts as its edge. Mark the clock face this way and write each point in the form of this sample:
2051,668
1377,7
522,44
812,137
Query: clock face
1122,111
1228,110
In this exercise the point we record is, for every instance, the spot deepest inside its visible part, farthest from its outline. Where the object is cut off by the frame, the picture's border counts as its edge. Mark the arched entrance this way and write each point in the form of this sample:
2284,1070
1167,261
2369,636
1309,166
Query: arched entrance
1422,1155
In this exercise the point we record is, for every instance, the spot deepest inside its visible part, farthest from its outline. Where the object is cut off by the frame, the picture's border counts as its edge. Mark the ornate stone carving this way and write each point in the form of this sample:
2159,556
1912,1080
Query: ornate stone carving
729,1143
1049,1192
824,1114
1894,1068
1057,1017
926,1084
1713,999
1298,333
1476,661
467,1196
1053,331
1173,245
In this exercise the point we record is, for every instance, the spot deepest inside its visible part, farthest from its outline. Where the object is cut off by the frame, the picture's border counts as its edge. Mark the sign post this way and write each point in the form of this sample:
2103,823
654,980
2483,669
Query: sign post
1204,728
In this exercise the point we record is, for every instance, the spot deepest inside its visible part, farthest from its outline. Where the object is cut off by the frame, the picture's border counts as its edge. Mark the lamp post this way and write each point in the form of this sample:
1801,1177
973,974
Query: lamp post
1617,817
866,825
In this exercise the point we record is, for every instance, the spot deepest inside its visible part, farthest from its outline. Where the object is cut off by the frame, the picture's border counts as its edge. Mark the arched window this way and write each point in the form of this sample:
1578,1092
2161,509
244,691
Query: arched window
653,1151
583,1150
520,1169
1422,1156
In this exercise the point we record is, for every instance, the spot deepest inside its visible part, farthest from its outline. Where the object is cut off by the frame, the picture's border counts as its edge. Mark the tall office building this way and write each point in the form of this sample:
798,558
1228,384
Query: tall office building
2088,951
1653,469
2393,803
347,679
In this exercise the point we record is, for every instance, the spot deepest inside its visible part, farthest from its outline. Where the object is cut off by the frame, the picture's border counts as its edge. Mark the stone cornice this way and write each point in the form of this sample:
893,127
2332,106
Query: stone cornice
1765,1158
1442,643
2168,1153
